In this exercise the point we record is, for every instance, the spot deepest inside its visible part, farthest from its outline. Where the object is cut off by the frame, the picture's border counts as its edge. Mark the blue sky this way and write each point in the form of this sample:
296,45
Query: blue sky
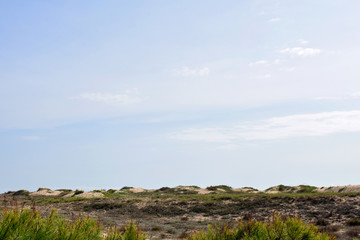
106,94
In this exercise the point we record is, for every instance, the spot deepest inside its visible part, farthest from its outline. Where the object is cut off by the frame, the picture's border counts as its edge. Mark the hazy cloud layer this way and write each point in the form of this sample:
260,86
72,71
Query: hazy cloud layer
304,125
272,20
31,138
260,62
300,51
354,95
128,97
191,72
303,41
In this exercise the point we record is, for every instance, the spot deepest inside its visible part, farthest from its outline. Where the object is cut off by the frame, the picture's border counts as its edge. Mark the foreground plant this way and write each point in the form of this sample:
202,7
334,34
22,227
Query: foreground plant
277,229
28,225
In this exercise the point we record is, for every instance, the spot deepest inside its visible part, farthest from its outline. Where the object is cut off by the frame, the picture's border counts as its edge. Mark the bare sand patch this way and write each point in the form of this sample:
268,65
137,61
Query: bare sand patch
136,190
90,195
245,190
46,192
203,191
349,188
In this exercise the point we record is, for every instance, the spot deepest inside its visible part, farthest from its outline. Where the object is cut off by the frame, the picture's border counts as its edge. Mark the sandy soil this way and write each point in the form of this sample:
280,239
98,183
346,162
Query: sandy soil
46,192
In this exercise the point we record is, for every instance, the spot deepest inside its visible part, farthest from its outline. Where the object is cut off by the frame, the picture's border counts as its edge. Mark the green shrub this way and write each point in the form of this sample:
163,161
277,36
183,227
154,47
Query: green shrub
156,228
306,189
21,193
354,222
111,191
212,188
278,228
63,190
28,224
77,192
41,189
283,188
224,187
131,232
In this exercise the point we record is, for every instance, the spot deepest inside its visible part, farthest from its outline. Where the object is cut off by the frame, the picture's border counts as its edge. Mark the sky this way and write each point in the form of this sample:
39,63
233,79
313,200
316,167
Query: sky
106,94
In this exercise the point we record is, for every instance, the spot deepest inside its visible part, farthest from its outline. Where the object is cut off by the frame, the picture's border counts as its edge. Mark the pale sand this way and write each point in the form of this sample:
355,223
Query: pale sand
46,192
136,190
90,195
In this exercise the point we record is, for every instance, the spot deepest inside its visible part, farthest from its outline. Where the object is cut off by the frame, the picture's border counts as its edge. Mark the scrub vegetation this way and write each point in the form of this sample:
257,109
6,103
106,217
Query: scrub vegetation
28,224
189,212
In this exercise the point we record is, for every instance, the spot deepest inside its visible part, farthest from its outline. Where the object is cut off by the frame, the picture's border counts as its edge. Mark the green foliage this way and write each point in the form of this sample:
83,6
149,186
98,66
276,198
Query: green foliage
156,228
77,192
131,232
354,222
306,189
284,188
28,224
64,190
277,229
42,189
21,193
224,187
211,188
51,200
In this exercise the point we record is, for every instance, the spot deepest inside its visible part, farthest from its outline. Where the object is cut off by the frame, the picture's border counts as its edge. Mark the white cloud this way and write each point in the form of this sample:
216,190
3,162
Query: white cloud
303,41
228,147
288,69
278,61
354,95
265,76
299,51
128,97
31,138
203,134
260,62
191,72
303,125
272,20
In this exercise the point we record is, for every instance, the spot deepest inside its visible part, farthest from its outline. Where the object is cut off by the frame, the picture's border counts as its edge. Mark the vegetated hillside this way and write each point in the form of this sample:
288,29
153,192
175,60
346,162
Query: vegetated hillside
16,223
174,212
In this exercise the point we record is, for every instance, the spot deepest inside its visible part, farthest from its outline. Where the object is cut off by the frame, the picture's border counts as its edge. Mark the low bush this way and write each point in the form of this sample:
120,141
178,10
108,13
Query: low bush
212,188
224,187
29,224
306,189
111,191
354,222
278,228
77,192
156,228
130,232
21,193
